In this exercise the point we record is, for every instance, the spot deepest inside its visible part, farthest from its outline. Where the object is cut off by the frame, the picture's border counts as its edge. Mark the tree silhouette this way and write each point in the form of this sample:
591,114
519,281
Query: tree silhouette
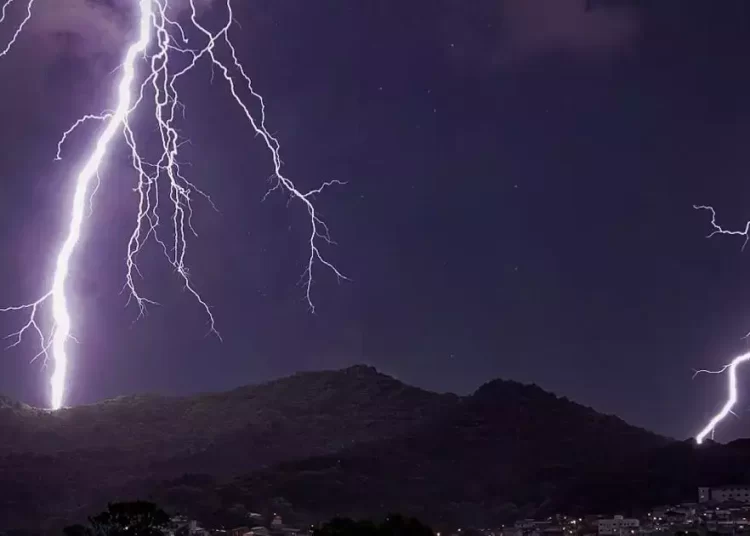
138,518
398,525
77,530
394,525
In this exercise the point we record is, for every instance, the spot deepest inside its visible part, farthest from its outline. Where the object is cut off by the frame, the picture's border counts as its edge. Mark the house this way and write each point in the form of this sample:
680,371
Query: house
723,494
617,526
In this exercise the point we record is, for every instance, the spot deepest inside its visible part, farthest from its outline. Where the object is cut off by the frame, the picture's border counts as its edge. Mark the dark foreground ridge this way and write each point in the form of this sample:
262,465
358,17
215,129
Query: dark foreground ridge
352,442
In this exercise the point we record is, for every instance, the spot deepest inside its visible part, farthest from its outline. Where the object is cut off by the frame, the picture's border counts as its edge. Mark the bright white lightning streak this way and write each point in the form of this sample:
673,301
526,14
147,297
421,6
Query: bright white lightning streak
726,409
154,32
20,27
731,398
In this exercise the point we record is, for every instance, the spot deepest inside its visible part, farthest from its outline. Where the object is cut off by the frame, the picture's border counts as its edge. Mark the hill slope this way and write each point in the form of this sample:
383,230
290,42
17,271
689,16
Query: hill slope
352,441
509,450
70,460
346,406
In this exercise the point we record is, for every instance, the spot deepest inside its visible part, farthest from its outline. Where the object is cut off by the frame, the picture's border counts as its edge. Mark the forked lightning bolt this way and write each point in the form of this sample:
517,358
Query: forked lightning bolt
726,409
731,368
162,48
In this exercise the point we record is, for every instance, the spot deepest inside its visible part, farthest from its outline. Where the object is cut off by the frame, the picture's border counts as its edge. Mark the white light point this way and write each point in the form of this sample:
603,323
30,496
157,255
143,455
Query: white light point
161,42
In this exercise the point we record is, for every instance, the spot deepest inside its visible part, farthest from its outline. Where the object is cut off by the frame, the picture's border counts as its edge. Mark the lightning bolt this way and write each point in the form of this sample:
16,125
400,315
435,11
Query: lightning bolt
731,368
726,409
163,50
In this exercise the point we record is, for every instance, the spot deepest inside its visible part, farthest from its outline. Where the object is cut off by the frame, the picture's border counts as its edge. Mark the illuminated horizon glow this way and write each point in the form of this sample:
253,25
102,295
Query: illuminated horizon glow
732,390
154,31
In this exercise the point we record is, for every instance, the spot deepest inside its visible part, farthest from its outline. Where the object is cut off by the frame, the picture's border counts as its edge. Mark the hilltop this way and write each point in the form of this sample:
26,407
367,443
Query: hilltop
315,444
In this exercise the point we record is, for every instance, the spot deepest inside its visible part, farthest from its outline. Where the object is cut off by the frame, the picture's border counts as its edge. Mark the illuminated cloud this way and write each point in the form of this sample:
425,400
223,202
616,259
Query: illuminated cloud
87,27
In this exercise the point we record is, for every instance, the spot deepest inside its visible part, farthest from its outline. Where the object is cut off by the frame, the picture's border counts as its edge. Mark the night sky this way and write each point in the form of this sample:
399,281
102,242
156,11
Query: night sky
521,176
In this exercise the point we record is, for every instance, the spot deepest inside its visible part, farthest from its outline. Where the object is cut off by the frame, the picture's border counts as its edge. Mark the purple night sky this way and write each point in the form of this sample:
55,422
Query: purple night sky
521,176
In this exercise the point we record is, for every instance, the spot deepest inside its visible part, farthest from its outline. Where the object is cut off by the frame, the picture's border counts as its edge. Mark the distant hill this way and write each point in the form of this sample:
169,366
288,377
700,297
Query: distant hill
72,460
352,442
344,407
507,451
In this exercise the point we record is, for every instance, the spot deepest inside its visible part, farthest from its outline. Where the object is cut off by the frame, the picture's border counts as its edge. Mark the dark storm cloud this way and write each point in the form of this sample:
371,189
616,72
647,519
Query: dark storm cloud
90,28
65,46
510,32
534,26
67,55
100,26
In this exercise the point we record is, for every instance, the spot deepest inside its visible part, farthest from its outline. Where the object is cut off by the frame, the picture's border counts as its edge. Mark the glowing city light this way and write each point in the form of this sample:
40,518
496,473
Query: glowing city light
161,40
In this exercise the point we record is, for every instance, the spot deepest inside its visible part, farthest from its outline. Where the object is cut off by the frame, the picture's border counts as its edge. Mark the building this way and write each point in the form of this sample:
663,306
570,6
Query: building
724,494
617,526
183,525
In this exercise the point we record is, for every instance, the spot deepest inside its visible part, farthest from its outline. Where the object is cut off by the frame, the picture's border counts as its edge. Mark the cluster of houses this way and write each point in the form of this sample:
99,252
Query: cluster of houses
719,510
182,526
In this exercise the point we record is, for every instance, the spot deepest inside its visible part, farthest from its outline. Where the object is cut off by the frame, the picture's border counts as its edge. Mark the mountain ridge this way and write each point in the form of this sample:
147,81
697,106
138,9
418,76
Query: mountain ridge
371,442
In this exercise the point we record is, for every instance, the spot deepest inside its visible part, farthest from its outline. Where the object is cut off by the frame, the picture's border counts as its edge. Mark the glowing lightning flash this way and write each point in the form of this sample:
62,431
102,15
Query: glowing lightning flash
731,398
153,33
726,409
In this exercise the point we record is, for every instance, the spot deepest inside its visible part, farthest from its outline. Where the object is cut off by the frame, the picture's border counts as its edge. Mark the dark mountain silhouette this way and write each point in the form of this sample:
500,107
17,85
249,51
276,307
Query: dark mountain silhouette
75,459
508,450
352,442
